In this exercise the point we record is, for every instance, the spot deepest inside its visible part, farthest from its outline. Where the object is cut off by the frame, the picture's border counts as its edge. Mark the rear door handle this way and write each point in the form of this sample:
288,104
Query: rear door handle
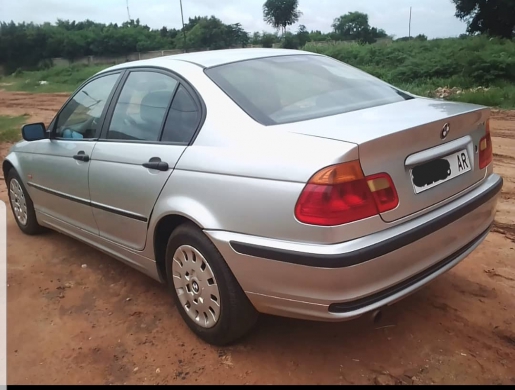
81,156
156,163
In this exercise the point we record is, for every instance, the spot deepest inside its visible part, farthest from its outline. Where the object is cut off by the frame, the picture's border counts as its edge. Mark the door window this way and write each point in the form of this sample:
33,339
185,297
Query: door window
79,119
182,120
142,107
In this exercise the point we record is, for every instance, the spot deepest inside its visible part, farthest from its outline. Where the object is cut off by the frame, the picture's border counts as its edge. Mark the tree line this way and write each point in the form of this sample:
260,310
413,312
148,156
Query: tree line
29,45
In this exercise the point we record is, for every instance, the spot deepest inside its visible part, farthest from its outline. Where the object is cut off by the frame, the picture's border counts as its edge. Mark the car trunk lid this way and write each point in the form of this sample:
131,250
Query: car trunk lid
428,147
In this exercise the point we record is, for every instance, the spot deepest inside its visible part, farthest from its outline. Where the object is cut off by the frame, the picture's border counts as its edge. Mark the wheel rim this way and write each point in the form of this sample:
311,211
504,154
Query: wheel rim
18,201
196,286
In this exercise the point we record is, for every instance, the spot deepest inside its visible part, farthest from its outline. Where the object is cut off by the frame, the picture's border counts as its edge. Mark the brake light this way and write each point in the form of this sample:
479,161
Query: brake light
383,191
485,148
341,194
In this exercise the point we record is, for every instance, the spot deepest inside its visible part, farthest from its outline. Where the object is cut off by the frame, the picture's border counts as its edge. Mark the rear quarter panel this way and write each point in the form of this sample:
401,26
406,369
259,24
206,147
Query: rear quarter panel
243,177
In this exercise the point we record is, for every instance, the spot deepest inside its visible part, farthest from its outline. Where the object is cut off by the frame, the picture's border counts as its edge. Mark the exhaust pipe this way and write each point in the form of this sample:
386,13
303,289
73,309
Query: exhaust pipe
376,316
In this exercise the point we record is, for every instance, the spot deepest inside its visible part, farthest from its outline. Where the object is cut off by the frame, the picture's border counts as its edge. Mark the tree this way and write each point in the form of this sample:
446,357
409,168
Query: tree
192,23
211,33
256,38
302,35
268,40
281,13
492,17
354,26
419,37
319,36
290,41
237,35
29,46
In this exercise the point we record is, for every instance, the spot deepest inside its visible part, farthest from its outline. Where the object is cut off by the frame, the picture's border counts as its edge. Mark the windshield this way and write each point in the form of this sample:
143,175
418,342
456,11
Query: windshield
284,89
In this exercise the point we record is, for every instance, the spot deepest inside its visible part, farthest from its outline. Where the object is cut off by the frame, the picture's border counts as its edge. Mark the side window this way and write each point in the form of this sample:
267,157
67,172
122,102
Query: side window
141,108
80,117
183,118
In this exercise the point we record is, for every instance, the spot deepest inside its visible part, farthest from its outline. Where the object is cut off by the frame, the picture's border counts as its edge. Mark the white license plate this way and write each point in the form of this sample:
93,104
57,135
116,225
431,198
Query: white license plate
436,172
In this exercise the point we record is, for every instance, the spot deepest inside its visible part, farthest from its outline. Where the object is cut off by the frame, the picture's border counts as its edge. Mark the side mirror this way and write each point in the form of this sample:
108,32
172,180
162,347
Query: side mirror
33,132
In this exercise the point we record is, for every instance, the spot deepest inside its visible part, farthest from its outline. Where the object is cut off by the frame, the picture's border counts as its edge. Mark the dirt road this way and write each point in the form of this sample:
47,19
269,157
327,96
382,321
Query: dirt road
107,323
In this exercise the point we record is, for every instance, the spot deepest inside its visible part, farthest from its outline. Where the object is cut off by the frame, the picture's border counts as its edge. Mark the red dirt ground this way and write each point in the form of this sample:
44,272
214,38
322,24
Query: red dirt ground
107,323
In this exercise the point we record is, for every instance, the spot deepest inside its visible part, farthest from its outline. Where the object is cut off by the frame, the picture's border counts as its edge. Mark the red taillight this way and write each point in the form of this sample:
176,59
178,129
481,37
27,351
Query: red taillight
383,191
485,148
341,194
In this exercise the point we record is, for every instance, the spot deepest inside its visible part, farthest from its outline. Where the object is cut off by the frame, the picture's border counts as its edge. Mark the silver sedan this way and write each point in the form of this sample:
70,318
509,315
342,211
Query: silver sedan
261,181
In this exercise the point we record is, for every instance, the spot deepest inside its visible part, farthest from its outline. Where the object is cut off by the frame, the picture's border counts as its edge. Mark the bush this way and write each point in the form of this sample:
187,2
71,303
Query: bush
421,66
290,41
268,40
474,60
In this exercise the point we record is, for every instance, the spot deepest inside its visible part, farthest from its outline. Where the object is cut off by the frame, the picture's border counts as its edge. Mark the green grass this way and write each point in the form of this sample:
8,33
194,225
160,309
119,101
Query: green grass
417,67
499,96
503,97
10,128
422,67
59,79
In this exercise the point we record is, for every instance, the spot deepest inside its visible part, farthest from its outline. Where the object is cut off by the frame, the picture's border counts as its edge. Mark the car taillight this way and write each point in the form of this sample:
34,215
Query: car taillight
341,194
485,148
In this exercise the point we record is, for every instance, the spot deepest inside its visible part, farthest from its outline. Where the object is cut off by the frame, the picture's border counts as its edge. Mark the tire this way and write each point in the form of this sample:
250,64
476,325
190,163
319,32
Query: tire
29,226
234,317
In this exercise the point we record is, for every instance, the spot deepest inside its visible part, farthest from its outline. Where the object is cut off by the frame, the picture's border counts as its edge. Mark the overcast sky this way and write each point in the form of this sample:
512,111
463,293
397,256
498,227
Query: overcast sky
435,18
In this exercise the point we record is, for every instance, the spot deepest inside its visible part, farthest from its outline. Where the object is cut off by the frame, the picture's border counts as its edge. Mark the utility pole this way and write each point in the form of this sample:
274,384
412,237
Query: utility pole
128,13
183,30
409,22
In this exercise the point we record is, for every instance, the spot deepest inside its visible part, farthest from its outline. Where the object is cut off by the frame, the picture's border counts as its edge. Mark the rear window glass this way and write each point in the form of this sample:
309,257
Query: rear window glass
284,89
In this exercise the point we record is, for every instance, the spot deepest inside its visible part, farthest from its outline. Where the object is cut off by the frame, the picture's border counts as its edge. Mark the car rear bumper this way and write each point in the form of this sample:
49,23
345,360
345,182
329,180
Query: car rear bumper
345,280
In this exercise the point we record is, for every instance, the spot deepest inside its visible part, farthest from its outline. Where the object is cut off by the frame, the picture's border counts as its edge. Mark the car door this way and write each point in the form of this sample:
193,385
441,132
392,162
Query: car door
59,173
152,121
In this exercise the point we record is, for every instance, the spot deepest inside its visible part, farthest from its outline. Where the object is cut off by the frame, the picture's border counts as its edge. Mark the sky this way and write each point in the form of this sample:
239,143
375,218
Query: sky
434,18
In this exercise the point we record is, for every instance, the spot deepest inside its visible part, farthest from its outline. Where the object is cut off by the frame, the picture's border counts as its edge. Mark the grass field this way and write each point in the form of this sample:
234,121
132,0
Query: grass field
419,67
59,79
10,128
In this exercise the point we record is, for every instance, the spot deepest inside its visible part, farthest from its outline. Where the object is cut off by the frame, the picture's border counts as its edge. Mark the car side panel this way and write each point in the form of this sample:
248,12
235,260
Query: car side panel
21,157
124,192
60,183
246,205
130,257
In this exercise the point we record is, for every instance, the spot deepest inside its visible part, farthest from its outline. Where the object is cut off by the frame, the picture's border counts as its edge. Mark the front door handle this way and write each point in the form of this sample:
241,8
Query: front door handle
156,163
81,156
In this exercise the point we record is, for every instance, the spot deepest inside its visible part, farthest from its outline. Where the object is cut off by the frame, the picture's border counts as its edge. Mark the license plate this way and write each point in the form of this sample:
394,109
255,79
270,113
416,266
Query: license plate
436,172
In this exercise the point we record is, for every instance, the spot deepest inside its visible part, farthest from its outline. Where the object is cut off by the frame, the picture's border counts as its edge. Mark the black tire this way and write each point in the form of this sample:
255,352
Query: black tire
31,227
237,315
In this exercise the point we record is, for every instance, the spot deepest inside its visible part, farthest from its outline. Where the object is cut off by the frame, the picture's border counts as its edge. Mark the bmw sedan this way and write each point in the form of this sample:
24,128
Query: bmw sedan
261,181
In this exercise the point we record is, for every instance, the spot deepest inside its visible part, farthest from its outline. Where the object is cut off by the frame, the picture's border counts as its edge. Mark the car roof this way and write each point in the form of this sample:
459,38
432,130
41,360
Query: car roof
207,59
220,57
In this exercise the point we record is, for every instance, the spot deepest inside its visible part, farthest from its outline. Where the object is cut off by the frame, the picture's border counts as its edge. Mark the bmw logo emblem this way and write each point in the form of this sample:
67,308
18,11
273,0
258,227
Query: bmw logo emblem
445,131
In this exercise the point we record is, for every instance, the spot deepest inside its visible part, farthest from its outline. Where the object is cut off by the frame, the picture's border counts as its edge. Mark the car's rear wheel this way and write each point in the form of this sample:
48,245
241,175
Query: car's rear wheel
21,205
206,293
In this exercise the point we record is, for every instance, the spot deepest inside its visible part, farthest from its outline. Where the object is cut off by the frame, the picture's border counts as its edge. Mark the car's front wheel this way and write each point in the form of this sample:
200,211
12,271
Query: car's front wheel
21,205
206,293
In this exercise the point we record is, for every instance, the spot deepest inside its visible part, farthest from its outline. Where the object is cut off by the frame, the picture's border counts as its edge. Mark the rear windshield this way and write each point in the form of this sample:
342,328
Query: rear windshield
284,89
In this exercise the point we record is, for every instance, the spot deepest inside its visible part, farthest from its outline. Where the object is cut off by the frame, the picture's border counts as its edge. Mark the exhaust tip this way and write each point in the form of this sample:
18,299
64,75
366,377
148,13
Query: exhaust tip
376,316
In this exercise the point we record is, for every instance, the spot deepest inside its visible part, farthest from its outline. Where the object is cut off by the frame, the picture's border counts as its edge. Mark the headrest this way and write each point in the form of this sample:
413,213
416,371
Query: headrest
154,104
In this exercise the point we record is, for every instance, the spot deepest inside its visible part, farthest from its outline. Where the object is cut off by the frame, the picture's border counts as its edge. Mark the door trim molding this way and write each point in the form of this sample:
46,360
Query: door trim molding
85,202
